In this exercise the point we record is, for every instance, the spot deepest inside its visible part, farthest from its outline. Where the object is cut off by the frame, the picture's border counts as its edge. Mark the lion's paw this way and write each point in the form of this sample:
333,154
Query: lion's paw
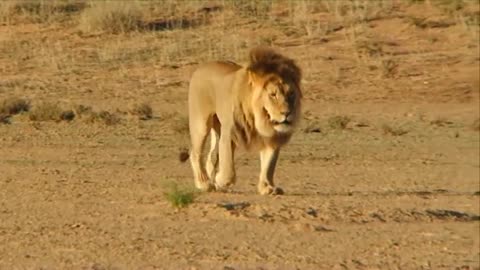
204,186
265,189
222,183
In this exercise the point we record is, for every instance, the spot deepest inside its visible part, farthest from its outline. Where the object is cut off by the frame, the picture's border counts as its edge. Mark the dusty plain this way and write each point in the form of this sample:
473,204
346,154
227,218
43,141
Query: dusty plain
383,172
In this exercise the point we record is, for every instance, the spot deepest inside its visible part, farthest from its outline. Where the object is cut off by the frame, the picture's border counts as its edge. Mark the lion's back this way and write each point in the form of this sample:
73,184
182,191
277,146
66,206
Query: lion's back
210,82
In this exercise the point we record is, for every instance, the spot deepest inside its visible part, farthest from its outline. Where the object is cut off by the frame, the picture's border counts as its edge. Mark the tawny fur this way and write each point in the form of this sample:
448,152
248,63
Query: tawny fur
256,106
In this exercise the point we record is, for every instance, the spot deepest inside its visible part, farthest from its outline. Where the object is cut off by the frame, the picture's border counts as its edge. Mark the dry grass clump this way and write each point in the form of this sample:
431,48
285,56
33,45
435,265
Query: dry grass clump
339,122
48,111
105,117
393,131
4,118
112,17
82,110
39,10
441,122
88,115
13,106
143,111
312,126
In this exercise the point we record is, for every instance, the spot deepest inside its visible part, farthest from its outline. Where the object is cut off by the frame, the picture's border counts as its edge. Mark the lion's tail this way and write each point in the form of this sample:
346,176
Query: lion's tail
183,155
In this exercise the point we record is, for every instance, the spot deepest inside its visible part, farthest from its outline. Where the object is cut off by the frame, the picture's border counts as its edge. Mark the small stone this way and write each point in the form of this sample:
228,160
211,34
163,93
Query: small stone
312,212
234,206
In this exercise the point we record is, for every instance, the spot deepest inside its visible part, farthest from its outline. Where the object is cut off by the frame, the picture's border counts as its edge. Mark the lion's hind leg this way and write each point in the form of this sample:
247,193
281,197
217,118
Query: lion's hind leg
198,134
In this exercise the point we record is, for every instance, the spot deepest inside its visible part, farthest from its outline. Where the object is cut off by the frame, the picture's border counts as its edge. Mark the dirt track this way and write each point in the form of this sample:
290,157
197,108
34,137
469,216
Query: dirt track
397,188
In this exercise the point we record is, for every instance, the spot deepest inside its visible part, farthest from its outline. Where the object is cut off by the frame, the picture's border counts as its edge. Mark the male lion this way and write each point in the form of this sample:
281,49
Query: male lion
256,106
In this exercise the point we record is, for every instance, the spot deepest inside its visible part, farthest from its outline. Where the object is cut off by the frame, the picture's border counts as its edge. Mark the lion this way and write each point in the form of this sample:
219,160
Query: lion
256,106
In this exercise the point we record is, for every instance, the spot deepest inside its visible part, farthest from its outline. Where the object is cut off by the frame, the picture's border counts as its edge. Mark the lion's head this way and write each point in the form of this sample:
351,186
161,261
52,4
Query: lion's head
275,82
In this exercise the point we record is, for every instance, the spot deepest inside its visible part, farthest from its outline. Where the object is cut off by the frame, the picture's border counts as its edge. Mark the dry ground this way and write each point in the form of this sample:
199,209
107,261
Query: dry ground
383,173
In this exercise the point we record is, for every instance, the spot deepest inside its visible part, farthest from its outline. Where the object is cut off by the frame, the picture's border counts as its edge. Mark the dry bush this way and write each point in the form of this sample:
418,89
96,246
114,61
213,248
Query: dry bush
112,17
48,111
143,111
13,106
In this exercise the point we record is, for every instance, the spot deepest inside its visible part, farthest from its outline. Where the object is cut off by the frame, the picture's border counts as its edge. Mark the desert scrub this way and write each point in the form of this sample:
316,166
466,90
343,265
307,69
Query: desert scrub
38,11
143,111
393,130
11,106
338,122
112,17
48,111
105,117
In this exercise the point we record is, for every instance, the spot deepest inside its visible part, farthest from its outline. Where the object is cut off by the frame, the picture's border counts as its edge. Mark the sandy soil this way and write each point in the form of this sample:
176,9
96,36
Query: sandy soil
397,188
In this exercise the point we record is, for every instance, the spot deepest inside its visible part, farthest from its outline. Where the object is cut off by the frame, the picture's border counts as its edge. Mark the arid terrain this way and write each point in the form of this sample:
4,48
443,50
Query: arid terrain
383,172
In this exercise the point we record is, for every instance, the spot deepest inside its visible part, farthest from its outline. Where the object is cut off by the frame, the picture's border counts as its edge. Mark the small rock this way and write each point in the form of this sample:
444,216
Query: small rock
320,228
234,206
312,212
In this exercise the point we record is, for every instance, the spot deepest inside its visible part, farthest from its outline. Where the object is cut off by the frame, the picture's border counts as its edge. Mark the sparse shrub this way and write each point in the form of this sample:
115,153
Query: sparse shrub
82,110
142,110
441,122
389,67
312,126
393,131
112,17
339,121
13,106
67,115
88,115
39,11
4,118
179,197
424,23
46,111
105,117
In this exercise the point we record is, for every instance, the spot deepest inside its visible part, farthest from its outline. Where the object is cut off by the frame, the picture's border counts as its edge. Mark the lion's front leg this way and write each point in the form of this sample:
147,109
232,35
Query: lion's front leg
268,160
226,172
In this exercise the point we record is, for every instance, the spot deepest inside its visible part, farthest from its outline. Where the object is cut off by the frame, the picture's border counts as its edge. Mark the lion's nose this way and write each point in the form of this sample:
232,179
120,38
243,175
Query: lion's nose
286,113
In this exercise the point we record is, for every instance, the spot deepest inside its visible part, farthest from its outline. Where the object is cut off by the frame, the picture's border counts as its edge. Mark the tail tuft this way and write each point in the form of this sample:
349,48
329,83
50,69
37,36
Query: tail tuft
183,155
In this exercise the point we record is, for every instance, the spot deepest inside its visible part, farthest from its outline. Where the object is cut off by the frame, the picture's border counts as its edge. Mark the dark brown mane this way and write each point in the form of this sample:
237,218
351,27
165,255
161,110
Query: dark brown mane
264,61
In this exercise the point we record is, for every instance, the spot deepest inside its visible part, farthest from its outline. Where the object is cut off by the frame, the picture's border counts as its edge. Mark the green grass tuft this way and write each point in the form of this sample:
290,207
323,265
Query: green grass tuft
178,196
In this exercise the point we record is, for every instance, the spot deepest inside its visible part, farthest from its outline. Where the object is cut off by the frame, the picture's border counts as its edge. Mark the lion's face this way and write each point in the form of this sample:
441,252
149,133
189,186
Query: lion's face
278,104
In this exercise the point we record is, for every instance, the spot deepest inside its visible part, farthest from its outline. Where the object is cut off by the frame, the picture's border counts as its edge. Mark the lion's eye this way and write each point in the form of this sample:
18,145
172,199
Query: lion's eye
273,94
